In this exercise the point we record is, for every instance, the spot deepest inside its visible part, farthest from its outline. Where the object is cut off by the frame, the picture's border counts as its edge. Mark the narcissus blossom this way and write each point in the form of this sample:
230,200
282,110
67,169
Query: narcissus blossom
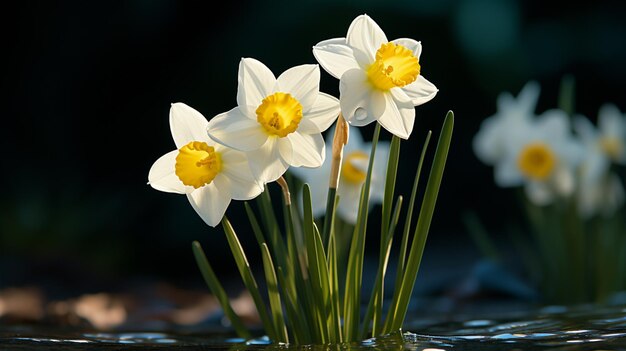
542,157
603,145
351,178
380,80
278,121
208,173
513,116
600,190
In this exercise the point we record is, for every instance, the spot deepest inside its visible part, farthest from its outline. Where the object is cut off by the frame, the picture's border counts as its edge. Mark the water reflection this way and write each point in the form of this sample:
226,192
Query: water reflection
586,328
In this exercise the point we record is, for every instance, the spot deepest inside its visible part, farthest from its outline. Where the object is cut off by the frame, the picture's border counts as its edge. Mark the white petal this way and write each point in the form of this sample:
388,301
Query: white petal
355,141
539,193
506,172
611,121
410,44
527,97
355,95
266,163
308,149
553,124
505,102
585,129
487,143
256,82
348,206
162,175
317,178
398,118
210,203
420,91
236,169
563,181
335,56
379,172
186,124
321,115
285,149
234,129
594,167
302,82
365,37
378,103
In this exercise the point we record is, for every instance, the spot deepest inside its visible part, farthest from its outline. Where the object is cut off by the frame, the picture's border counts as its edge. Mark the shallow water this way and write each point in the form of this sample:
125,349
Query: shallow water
549,328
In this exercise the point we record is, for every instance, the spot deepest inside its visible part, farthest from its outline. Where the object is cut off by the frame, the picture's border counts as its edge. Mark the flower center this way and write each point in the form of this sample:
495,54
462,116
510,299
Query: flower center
279,114
395,66
354,166
197,164
536,161
612,146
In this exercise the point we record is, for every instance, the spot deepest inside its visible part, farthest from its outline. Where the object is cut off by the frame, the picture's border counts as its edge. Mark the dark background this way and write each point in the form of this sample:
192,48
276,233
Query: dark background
87,88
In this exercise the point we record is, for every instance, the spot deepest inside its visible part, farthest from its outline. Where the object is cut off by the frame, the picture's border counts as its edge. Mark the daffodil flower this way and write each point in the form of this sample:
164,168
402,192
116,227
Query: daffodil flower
600,190
498,132
380,80
352,177
603,145
278,121
208,173
543,158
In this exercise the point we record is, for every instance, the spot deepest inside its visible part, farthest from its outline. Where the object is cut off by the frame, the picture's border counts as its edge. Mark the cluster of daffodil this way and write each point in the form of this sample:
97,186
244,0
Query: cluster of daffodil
573,196
277,126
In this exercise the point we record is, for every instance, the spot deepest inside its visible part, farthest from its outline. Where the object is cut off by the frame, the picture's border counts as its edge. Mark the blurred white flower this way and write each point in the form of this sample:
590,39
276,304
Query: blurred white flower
600,191
208,173
542,157
603,145
498,132
278,121
352,177
379,80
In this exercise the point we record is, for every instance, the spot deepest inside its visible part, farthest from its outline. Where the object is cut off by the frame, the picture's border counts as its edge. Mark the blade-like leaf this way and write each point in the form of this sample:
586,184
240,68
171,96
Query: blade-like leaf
274,295
423,221
216,288
248,278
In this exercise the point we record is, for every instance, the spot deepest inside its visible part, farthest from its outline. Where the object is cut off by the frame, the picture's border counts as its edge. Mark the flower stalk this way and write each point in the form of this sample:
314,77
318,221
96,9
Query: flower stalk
339,141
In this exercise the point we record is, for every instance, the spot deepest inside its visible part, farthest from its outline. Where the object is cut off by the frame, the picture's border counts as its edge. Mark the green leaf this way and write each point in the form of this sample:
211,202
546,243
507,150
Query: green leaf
317,268
567,94
295,317
216,288
248,278
329,214
354,273
405,238
390,184
375,306
270,222
256,228
274,295
423,222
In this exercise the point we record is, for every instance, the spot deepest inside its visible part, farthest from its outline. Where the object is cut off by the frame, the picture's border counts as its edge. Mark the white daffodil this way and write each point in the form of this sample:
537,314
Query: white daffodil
604,145
380,80
512,117
542,157
600,191
278,121
351,179
208,173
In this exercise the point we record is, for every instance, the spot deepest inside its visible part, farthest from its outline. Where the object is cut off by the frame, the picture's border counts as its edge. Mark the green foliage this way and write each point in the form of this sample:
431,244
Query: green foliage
304,284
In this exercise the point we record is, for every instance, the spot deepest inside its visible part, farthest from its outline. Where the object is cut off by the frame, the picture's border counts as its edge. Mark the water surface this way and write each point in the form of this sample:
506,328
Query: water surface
548,328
